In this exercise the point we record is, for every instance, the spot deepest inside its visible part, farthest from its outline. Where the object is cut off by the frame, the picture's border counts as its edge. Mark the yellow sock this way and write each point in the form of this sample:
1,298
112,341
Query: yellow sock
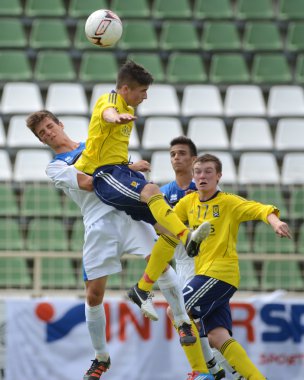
165,216
195,354
237,357
162,253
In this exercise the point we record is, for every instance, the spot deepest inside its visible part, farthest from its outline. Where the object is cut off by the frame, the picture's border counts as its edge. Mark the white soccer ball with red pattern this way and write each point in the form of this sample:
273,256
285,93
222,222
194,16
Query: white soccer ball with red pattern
103,28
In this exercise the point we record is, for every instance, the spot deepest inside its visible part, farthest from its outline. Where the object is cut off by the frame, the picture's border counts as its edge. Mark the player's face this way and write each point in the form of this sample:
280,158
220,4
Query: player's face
135,95
49,132
205,176
181,159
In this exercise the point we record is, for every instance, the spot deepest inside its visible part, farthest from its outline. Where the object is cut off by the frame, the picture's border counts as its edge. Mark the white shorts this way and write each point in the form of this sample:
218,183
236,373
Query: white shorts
107,239
184,266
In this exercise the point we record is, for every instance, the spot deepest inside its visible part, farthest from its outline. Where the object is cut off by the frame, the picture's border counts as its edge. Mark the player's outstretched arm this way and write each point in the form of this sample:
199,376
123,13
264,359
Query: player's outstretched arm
140,166
279,227
110,115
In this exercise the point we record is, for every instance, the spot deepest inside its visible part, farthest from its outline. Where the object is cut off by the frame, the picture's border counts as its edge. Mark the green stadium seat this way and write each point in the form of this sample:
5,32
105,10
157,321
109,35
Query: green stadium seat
14,273
220,36
300,243
70,208
257,9
243,242
296,210
266,241
10,8
40,200
290,9
57,273
80,8
164,9
54,66
98,67
228,68
271,195
77,236
131,8
14,66
215,9
294,37
12,34
49,33
115,281
281,275
152,62
10,235
261,36
185,68
8,201
46,235
133,39
80,40
270,68
249,279
177,35
37,8
135,269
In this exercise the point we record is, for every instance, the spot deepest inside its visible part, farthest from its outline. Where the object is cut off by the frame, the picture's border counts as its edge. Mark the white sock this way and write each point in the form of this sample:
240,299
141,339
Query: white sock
96,322
169,286
211,362
227,367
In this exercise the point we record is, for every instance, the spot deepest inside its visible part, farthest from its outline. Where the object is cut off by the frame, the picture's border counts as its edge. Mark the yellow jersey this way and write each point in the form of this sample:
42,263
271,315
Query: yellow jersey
218,257
107,143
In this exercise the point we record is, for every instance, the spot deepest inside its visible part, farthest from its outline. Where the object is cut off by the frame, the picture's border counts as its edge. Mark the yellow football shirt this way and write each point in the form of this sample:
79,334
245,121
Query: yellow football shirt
107,143
218,257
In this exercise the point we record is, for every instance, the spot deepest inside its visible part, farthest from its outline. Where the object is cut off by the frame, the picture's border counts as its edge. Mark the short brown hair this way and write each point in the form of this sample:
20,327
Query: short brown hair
133,74
183,140
37,117
210,157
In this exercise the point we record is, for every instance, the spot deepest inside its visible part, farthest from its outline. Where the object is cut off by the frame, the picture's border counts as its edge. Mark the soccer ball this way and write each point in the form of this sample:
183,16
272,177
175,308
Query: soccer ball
103,28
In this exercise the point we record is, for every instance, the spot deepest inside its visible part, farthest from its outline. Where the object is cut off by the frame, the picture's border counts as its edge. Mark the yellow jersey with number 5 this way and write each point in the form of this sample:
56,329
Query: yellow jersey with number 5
107,143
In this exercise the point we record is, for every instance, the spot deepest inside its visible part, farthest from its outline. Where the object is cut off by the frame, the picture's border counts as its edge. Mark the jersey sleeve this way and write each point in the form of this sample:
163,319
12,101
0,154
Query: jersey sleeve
63,175
181,208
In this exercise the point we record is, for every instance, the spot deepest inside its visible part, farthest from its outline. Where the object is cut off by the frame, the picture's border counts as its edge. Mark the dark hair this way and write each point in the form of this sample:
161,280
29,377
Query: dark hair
36,118
183,140
210,157
133,74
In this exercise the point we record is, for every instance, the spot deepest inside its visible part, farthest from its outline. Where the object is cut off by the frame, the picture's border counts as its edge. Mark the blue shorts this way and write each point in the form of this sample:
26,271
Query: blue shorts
120,187
208,299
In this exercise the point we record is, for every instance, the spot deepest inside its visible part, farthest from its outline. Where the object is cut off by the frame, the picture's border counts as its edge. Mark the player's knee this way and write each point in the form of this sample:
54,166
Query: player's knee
217,337
94,296
148,191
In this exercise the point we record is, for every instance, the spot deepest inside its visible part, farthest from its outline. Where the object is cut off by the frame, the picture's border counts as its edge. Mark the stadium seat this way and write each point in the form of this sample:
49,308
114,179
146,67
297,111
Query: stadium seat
37,8
132,39
14,273
161,169
11,8
54,66
294,37
6,172
249,279
98,90
2,134
270,68
292,169
80,8
19,136
266,241
185,68
76,127
159,131
12,34
40,200
80,40
162,101
46,235
178,35
261,36
251,10
300,245
215,9
14,66
21,97
269,195
296,211
116,281
163,9
299,70
258,168
135,267
130,8
244,100
251,134
91,64
152,62
30,165
290,9
77,236
8,200
48,34
57,273
243,241
289,135
135,156
70,208
220,36
192,104
214,128
10,235
66,98
228,68
281,275
285,101
134,142
229,176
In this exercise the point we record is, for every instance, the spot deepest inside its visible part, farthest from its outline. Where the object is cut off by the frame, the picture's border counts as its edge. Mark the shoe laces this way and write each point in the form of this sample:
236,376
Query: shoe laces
192,375
101,366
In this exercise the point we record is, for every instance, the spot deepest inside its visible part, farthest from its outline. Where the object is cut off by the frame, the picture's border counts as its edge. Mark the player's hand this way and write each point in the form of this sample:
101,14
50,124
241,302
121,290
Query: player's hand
140,166
282,229
124,118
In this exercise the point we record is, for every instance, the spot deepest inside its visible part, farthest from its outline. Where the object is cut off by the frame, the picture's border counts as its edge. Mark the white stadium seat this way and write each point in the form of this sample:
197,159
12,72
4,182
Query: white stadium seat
6,171
292,169
290,134
161,168
30,165
2,134
19,135
76,127
285,101
98,90
159,131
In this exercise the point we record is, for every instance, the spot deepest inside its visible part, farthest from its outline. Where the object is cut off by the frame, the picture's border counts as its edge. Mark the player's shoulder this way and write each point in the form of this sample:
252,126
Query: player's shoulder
168,186
231,196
